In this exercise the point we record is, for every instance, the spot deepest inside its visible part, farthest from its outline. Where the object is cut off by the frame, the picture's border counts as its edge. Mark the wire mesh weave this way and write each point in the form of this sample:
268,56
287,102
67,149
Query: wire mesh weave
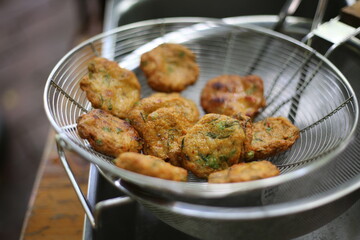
299,84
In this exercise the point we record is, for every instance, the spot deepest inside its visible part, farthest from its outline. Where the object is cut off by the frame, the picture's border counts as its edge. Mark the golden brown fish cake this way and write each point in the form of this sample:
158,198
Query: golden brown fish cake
150,166
271,136
110,87
162,119
230,94
162,132
243,172
170,67
163,100
214,143
108,134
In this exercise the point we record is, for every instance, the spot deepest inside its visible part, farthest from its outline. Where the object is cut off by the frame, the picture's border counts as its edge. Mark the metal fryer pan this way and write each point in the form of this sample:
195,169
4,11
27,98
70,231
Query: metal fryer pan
332,167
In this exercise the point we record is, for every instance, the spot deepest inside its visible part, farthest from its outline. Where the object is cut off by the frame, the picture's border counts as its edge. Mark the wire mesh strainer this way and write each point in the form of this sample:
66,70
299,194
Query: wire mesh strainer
299,83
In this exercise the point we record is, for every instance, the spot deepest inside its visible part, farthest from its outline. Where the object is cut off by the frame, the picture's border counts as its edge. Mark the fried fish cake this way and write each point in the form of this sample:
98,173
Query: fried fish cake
150,166
161,100
170,67
214,143
108,134
162,132
162,119
243,172
271,136
230,94
110,87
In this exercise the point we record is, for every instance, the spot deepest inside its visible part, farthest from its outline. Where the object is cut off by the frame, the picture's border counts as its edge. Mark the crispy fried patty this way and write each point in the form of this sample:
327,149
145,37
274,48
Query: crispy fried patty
214,143
108,134
163,100
170,67
110,87
162,119
243,172
231,94
272,136
150,166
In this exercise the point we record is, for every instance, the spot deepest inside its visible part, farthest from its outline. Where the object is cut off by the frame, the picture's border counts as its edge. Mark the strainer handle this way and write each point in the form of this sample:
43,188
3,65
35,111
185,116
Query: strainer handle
339,29
91,215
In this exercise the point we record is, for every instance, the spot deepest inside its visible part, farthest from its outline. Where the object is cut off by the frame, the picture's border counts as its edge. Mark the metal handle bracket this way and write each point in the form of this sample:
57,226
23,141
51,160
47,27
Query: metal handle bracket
92,214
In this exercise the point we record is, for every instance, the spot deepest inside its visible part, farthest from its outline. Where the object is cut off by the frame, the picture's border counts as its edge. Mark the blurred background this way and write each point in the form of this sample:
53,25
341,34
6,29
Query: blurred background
34,35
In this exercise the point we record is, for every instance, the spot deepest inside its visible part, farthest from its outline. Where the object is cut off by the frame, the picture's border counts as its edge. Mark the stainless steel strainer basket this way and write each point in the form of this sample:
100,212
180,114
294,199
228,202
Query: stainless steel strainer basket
299,83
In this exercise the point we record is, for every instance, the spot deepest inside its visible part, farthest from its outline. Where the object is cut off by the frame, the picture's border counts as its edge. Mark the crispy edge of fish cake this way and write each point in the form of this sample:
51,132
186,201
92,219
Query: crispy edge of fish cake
272,136
150,104
110,87
214,143
150,166
170,67
158,100
230,94
108,134
246,124
244,172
